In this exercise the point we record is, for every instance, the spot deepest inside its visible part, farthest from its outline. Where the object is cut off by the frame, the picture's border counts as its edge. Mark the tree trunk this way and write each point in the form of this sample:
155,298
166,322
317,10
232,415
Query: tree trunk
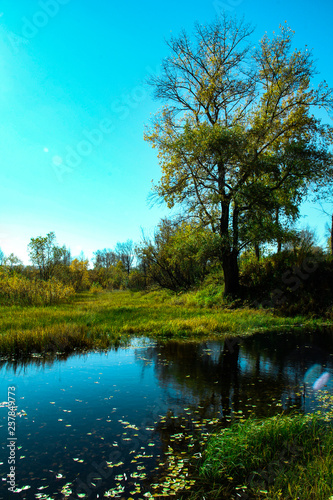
279,245
229,253
257,251
231,274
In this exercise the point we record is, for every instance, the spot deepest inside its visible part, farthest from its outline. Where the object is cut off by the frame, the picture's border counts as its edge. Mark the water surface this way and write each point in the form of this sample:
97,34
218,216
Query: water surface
130,422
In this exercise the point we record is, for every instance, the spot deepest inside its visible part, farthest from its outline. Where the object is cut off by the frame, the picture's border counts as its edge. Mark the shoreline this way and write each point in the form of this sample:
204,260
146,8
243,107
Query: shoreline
98,322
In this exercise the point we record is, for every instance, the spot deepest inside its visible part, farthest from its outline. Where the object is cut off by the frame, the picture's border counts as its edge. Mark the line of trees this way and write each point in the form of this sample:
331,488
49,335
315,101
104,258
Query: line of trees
54,263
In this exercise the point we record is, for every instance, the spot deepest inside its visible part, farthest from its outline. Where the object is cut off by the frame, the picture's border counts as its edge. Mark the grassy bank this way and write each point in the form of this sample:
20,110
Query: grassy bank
277,458
98,321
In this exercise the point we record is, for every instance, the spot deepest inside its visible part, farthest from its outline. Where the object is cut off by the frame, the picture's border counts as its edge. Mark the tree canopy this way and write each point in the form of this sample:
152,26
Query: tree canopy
125,254
46,255
237,139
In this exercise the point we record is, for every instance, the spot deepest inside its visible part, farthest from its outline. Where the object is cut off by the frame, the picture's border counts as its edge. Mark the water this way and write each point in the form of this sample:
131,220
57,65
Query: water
131,422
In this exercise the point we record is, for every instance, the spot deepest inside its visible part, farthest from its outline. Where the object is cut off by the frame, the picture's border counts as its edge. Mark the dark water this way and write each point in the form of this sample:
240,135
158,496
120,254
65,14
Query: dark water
129,423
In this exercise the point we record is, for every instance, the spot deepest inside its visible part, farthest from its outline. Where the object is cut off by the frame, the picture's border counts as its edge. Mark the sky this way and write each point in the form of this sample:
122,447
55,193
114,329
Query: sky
74,105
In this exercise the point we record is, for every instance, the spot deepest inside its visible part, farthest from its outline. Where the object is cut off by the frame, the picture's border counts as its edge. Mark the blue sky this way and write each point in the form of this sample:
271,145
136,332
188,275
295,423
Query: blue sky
73,105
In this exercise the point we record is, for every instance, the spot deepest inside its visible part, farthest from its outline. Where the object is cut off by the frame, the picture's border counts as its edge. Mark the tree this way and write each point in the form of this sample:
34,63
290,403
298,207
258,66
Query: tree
105,258
46,255
329,230
125,253
104,267
13,261
236,140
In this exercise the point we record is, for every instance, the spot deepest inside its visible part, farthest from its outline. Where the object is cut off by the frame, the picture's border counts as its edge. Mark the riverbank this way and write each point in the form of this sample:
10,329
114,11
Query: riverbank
109,318
282,457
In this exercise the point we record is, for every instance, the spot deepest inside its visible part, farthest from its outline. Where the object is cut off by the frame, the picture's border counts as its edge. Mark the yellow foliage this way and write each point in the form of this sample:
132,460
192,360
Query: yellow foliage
79,274
19,290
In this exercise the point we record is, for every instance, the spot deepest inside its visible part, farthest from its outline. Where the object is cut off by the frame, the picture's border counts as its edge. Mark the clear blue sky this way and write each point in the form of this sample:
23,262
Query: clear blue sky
73,108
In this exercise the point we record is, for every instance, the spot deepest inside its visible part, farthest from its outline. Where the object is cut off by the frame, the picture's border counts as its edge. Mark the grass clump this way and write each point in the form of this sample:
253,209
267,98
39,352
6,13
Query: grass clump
282,457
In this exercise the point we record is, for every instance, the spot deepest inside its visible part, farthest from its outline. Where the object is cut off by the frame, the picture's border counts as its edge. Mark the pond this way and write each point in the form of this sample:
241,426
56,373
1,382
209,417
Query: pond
130,423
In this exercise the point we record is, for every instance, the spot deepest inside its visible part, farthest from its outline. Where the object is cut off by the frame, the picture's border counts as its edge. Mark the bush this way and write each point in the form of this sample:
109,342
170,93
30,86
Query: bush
19,290
136,280
289,285
96,288
79,276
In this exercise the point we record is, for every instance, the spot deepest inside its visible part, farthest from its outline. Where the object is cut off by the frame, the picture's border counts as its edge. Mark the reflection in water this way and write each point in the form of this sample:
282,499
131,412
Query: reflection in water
115,422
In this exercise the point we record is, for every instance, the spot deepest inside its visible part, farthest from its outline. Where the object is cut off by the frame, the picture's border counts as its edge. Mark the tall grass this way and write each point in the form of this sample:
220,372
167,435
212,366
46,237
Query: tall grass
101,317
283,457
16,289
62,338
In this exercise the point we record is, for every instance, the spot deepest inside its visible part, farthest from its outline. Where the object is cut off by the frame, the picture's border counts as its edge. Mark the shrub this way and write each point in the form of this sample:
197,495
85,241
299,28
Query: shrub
79,275
19,290
96,288
136,280
292,286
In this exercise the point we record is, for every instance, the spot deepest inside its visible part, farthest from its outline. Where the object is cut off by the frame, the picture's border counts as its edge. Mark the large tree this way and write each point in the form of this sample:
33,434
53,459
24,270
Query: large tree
238,144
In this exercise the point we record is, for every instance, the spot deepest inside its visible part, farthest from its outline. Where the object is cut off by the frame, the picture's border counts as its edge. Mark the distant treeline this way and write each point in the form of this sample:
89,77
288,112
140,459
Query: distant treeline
297,277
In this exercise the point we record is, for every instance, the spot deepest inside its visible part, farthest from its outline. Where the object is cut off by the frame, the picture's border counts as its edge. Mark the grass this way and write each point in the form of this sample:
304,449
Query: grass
279,458
93,321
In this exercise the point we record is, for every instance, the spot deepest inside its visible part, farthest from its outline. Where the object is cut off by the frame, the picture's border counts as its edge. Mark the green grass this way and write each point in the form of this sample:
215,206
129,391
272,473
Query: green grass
278,458
99,320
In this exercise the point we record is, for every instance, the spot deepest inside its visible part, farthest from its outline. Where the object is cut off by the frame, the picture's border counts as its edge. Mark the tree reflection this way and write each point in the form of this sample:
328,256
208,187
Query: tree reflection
261,374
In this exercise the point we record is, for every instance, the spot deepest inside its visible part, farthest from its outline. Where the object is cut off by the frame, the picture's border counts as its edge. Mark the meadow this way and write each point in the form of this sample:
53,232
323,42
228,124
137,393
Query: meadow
100,320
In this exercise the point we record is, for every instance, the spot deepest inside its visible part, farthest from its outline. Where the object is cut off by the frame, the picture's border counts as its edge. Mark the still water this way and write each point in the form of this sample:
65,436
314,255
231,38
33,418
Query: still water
130,423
